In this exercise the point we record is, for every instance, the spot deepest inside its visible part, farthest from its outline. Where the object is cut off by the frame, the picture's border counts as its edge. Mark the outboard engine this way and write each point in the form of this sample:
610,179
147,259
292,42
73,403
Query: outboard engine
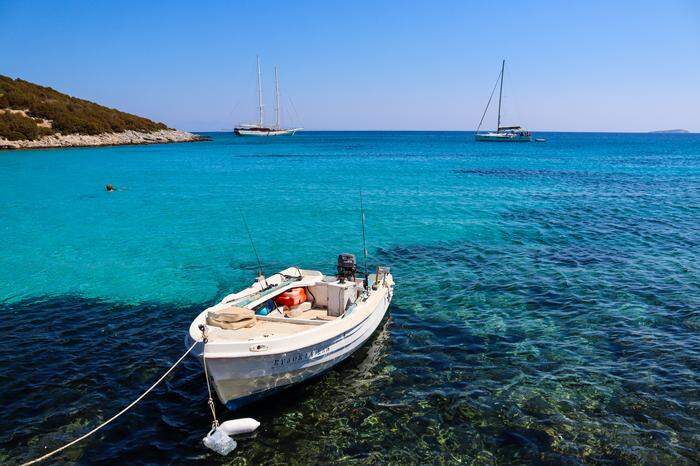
347,268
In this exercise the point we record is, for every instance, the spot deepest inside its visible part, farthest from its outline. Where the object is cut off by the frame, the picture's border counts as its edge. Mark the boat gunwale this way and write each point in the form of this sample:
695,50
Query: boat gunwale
247,353
326,331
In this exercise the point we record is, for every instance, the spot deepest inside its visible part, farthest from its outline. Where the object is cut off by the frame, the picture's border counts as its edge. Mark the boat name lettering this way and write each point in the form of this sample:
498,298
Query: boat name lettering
299,357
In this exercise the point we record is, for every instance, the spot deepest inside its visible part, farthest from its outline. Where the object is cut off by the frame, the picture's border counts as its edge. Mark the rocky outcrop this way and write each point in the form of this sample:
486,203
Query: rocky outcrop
105,139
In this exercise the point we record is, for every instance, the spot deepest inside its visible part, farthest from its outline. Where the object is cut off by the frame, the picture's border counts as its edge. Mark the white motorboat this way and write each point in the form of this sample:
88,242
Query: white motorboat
288,328
502,133
259,128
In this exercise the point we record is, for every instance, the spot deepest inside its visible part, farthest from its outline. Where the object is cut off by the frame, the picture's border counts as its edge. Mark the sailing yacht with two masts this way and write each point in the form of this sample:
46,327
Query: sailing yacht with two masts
259,128
502,133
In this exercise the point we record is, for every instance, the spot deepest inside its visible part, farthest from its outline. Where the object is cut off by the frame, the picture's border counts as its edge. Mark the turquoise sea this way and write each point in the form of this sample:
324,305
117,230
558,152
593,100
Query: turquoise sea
547,307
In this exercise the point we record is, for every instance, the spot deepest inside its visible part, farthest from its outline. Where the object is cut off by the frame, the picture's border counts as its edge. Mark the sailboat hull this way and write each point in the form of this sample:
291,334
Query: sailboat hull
502,137
264,133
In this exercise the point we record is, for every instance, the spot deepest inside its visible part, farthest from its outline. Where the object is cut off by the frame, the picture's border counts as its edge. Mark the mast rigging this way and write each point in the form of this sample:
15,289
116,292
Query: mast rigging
500,96
277,100
260,96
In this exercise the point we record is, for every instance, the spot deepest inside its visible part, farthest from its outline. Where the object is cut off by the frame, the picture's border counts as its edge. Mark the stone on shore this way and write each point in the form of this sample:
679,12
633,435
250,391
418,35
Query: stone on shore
105,139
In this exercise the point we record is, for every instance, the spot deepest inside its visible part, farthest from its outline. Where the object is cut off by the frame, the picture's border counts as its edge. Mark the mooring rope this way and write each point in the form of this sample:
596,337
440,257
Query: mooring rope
116,415
210,402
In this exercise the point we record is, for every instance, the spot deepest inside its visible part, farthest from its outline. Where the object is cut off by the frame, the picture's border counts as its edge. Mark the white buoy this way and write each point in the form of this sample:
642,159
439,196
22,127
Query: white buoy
243,425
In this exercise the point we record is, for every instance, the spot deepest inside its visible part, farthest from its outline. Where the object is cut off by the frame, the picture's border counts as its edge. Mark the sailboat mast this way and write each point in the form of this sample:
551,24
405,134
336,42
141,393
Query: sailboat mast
500,96
260,97
277,100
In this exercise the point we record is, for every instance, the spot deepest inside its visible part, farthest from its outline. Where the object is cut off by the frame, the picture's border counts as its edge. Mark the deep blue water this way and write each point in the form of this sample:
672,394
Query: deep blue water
547,307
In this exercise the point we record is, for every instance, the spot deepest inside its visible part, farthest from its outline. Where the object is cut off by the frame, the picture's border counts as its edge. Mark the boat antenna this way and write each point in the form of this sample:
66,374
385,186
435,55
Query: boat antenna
252,244
364,238
500,96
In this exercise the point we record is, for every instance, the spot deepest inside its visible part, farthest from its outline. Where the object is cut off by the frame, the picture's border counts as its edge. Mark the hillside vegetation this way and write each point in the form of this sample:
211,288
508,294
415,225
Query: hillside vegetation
32,104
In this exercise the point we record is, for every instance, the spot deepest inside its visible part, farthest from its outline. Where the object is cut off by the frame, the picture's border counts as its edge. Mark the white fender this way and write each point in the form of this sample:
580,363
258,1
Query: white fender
239,426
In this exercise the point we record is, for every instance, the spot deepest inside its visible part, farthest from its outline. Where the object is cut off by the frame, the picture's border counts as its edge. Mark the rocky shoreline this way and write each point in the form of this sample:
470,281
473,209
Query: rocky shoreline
105,139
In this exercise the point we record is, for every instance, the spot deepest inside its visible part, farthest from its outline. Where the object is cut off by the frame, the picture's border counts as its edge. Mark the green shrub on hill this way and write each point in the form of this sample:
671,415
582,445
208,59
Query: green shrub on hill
16,127
69,115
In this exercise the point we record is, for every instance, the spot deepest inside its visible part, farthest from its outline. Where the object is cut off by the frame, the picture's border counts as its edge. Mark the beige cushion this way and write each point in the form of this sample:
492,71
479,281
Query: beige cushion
232,314
231,318
232,325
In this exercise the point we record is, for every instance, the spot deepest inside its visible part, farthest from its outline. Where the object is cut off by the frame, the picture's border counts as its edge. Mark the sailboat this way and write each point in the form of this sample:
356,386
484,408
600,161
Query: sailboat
502,133
259,128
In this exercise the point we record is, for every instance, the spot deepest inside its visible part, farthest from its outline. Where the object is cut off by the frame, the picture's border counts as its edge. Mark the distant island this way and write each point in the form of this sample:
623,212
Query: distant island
33,116
669,131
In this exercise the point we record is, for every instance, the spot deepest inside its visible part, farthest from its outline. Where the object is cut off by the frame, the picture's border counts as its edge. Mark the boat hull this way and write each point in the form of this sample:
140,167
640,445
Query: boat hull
496,137
258,133
242,379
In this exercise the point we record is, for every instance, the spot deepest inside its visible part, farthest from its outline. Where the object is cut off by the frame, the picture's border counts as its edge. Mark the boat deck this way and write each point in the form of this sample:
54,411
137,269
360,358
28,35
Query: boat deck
271,327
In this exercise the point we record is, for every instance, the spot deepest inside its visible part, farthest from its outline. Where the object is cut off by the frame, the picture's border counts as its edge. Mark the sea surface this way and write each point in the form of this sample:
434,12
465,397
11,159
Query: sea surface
547,307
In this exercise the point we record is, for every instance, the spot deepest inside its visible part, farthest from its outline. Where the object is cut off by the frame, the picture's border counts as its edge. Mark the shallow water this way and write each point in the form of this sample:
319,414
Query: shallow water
547,306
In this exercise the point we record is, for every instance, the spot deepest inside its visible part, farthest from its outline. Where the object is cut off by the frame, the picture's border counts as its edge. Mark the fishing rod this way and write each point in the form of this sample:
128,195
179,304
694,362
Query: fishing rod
252,244
364,239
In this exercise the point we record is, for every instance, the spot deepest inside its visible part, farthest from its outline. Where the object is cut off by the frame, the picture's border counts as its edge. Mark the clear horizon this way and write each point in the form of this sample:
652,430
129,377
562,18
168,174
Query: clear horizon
370,66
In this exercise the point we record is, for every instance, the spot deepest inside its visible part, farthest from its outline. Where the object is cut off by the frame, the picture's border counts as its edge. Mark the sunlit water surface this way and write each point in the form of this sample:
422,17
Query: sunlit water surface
547,306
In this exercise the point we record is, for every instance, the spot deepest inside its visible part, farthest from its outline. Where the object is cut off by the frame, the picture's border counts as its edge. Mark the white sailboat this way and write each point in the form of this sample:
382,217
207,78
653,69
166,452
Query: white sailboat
502,133
259,128
287,328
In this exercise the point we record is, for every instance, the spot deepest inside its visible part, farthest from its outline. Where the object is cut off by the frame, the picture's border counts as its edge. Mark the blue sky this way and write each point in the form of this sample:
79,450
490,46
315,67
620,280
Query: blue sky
571,66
